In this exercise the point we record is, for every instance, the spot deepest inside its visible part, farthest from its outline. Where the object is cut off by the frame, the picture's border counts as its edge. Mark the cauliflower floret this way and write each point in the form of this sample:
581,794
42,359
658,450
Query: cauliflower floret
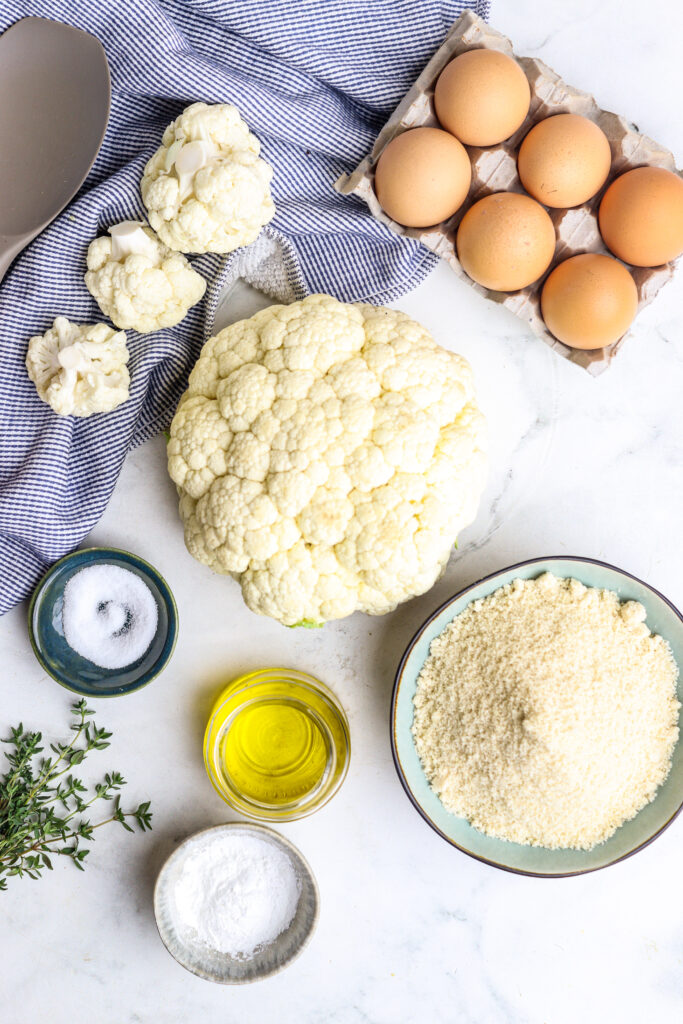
138,282
206,189
327,456
79,369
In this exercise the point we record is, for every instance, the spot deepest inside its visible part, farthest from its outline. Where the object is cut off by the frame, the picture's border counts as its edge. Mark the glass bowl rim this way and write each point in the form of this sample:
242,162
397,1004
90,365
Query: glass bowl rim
322,795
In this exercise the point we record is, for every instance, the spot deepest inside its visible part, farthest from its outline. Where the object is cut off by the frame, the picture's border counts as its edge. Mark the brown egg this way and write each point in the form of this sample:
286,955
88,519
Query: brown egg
589,301
564,160
641,216
422,177
505,241
482,97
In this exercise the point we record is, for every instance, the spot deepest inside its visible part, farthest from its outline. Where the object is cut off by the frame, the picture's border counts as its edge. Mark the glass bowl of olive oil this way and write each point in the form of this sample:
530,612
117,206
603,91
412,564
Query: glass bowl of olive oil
277,744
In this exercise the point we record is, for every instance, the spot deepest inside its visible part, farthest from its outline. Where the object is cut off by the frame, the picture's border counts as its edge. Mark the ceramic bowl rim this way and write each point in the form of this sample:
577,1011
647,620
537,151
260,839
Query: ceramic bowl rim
394,701
283,841
166,593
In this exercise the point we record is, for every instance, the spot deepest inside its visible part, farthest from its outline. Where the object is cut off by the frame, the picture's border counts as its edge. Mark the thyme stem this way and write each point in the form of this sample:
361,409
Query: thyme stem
42,802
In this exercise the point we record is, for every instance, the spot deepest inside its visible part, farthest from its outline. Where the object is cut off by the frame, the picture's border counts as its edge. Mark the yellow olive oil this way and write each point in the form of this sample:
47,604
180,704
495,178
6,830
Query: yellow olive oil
274,752
276,745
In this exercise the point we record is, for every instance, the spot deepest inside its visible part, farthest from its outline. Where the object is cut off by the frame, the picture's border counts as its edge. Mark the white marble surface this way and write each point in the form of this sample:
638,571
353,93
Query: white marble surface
410,931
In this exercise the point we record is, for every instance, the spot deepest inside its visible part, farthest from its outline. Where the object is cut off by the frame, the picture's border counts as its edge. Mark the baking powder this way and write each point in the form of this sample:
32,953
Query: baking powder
237,893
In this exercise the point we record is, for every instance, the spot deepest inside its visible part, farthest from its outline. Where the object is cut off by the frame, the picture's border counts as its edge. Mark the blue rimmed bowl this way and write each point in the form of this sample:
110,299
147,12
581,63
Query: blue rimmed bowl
634,835
67,666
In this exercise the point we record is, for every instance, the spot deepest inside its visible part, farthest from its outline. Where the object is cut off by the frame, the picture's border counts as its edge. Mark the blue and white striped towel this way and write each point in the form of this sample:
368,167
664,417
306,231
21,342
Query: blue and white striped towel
315,80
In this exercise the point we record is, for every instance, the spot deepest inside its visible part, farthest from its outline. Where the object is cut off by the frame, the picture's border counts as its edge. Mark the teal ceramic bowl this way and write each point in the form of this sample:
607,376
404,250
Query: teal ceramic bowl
634,835
63,663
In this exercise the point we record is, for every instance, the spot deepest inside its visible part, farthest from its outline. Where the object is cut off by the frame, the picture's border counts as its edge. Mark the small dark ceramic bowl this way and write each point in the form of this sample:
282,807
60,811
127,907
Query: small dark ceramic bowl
662,618
209,963
69,668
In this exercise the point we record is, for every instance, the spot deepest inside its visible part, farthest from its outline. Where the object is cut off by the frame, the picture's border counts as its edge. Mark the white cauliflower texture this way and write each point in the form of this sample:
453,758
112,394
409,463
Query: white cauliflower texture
206,189
79,369
327,456
138,282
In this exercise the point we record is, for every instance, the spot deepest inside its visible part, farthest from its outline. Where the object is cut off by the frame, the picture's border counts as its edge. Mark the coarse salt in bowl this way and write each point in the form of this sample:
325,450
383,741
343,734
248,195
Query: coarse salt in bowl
73,641
109,615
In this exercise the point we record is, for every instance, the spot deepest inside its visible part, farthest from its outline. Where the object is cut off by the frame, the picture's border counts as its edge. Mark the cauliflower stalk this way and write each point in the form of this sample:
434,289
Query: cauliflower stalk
206,189
79,369
138,282
326,456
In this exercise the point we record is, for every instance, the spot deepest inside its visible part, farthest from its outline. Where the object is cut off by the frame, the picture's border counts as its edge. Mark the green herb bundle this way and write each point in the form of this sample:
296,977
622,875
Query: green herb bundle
43,804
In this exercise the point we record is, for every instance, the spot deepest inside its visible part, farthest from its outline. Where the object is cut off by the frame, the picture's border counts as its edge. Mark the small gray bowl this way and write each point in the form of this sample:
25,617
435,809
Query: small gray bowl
221,967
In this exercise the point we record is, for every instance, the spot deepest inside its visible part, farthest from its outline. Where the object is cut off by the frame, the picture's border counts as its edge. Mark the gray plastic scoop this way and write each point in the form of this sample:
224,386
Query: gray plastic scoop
54,108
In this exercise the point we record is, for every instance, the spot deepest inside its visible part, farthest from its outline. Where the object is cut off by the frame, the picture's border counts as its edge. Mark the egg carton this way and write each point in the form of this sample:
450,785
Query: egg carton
494,169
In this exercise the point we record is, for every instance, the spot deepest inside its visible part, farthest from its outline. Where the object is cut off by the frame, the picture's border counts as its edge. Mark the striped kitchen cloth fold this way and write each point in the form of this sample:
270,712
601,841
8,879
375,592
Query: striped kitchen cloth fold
315,80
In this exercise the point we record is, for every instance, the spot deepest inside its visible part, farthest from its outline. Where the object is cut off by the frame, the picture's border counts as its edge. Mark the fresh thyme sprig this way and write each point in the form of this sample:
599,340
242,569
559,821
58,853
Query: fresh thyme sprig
42,803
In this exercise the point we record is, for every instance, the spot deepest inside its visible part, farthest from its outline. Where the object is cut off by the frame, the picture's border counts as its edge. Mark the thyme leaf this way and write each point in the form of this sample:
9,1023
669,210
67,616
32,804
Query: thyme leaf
43,803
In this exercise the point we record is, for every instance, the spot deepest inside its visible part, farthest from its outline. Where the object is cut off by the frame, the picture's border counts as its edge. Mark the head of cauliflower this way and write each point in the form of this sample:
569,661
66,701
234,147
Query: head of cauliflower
206,188
138,282
327,456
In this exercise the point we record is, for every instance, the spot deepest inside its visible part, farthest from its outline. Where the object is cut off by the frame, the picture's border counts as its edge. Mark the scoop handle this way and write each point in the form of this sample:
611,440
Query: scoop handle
9,250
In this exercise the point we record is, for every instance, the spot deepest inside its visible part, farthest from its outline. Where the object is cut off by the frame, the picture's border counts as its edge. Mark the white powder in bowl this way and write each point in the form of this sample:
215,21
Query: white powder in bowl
546,713
109,615
236,894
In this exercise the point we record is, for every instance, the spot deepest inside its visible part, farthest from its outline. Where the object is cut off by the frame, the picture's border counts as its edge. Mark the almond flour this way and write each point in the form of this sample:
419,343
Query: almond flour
546,713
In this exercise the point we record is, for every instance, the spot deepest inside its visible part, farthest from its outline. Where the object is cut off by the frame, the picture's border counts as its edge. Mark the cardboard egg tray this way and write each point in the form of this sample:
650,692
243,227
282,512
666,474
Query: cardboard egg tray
494,169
